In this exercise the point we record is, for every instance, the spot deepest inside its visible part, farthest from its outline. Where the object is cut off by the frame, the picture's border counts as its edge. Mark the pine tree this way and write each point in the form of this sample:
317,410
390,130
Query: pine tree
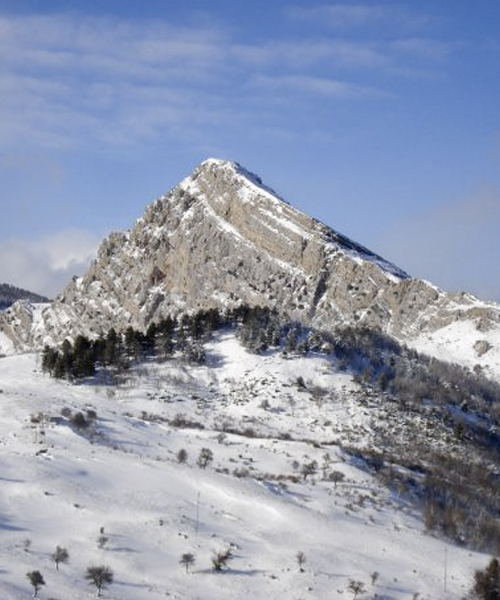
49,358
66,361
150,339
111,348
135,344
59,370
83,358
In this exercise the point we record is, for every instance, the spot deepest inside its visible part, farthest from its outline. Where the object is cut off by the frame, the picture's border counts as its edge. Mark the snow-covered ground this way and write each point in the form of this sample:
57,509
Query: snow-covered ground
458,342
60,486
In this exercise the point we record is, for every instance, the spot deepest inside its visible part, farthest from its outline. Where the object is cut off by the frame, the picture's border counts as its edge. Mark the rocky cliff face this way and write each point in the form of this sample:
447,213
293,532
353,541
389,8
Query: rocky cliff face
221,237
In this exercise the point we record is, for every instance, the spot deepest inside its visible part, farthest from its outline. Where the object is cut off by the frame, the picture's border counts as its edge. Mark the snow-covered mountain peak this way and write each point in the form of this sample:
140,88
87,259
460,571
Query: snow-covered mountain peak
233,169
220,238
240,199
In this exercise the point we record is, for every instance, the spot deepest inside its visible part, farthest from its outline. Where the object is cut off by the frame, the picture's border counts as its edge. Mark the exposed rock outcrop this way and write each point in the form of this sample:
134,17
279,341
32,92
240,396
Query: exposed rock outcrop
221,237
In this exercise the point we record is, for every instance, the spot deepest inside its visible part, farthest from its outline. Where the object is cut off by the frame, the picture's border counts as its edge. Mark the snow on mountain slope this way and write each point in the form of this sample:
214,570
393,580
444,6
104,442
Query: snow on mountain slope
220,238
61,485
463,342
10,294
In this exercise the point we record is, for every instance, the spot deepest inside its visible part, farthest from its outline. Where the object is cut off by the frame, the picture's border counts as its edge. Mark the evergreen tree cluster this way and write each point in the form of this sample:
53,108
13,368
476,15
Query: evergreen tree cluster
259,328
373,357
170,336
183,336
487,582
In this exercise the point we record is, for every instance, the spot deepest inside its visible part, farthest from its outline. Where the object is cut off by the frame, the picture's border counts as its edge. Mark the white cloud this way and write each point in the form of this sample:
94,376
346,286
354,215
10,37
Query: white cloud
313,51
343,15
317,85
424,48
107,83
70,81
46,265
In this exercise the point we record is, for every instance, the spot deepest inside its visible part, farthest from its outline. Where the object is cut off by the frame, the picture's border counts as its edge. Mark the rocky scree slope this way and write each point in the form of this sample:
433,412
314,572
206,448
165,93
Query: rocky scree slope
220,238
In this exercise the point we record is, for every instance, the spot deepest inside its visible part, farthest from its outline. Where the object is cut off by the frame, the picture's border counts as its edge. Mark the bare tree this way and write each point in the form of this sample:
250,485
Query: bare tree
188,560
356,587
336,477
327,461
102,540
36,580
301,560
100,576
319,396
221,558
205,458
309,469
182,456
61,555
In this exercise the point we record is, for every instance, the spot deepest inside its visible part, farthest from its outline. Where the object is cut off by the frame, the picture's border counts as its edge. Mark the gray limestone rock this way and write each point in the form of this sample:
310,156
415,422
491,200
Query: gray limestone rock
221,238
481,347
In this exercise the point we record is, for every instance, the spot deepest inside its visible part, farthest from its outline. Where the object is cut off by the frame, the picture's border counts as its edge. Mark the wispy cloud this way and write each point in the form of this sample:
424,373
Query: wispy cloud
65,80
311,52
111,83
47,264
317,85
424,48
343,15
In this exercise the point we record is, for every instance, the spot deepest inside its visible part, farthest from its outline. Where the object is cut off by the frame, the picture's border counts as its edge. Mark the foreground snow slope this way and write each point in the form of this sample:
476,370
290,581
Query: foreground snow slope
59,486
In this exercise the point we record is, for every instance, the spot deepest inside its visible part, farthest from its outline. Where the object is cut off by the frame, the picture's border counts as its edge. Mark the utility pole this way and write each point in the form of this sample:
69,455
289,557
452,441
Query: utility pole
197,512
445,567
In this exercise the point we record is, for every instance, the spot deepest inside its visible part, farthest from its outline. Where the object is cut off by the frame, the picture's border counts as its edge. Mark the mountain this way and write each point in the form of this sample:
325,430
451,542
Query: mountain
248,430
10,294
222,237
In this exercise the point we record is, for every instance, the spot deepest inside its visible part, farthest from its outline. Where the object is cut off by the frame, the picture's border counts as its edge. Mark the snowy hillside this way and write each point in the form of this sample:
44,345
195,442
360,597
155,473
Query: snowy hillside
120,478
463,343
10,294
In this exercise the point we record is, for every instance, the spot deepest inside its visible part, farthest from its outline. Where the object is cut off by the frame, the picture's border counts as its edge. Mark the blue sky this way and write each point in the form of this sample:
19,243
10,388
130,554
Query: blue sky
379,118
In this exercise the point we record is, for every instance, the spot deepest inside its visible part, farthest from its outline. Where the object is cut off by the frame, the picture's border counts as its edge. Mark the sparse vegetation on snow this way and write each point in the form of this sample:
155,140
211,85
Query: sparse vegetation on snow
316,490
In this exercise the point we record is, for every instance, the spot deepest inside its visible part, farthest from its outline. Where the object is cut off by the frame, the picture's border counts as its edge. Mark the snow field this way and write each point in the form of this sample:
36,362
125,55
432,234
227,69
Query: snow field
59,486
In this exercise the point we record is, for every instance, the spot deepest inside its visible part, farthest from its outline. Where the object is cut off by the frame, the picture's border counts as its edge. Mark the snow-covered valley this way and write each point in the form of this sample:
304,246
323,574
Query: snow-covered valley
123,478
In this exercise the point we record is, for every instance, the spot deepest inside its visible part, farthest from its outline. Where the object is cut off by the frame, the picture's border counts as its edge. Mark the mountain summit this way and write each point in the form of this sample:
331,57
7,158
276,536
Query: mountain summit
221,237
